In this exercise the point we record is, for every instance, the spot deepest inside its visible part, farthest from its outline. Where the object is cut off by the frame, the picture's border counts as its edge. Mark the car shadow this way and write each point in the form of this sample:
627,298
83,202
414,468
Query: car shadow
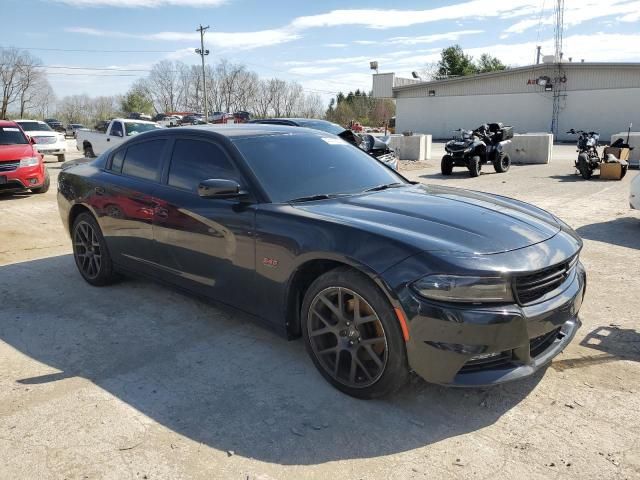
612,342
623,231
217,378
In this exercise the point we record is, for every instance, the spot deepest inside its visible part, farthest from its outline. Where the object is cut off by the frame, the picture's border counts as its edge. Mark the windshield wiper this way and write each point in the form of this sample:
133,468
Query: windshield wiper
384,186
311,198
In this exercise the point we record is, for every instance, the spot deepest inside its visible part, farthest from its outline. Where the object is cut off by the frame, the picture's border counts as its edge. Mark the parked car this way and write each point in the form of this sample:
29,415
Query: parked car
634,194
72,128
21,165
192,120
377,274
118,130
56,125
215,117
377,148
170,121
139,116
241,117
47,141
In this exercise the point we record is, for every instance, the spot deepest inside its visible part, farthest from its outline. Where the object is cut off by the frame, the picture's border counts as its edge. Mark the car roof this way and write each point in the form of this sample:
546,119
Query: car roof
242,130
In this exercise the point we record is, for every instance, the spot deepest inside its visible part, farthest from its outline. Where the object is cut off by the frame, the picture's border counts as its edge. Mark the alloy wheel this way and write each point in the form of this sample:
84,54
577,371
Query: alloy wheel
347,337
87,250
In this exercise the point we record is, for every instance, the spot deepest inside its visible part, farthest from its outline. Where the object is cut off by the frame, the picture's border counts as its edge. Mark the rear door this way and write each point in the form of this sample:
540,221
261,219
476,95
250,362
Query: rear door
206,245
124,202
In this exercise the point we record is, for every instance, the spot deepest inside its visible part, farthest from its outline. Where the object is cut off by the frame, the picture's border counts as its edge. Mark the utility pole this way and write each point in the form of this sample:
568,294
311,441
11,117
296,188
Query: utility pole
538,54
202,52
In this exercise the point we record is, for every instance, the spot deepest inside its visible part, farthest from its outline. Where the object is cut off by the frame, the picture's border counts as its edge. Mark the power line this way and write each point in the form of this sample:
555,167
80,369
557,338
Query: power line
86,50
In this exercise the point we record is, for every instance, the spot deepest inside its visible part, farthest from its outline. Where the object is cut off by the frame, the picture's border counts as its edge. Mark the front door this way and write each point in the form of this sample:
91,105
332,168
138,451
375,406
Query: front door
206,245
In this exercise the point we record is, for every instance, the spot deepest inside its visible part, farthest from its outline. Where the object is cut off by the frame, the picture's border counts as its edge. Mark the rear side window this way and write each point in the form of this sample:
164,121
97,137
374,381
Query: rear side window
143,160
193,161
116,163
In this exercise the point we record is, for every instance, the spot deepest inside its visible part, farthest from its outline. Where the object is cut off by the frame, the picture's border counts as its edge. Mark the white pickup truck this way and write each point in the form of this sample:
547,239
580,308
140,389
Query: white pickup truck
93,143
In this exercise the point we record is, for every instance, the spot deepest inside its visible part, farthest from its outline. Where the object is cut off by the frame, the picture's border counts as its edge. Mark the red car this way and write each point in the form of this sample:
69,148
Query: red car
21,166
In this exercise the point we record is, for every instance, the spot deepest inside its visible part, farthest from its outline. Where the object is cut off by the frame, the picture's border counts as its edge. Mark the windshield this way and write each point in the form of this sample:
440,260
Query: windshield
322,125
35,127
134,128
12,136
291,166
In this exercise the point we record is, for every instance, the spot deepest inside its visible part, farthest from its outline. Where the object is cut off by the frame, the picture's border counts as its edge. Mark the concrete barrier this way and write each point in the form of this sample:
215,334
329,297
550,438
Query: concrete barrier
634,141
415,147
530,148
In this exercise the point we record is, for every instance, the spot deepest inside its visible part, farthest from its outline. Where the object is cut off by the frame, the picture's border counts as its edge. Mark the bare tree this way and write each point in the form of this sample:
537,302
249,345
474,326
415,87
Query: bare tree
18,71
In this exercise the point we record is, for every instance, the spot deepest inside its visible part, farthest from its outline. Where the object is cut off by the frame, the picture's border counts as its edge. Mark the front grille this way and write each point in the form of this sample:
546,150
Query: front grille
9,166
499,360
530,288
45,140
539,344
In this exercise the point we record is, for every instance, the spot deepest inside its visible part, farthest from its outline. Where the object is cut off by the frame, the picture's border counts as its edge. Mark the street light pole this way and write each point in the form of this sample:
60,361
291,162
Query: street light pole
202,52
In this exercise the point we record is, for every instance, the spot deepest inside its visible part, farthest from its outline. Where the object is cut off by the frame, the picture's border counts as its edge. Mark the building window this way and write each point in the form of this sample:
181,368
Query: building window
432,93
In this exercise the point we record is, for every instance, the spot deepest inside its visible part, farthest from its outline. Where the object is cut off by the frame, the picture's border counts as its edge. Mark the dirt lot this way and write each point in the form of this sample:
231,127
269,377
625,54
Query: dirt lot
137,381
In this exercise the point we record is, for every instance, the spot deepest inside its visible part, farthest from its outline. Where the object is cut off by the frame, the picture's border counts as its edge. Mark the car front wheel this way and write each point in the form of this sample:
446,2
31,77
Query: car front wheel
353,336
90,251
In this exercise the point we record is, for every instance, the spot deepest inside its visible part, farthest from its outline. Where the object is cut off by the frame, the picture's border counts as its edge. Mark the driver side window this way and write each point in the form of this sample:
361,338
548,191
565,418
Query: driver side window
193,161
116,129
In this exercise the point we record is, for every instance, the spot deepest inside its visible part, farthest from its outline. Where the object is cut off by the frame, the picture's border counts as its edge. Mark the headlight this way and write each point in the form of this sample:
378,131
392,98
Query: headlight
452,288
29,161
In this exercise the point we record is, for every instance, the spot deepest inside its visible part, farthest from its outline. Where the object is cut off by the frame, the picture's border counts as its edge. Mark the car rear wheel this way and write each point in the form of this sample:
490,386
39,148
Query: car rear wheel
88,151
446,165
90,251
474,166
353,336
61,158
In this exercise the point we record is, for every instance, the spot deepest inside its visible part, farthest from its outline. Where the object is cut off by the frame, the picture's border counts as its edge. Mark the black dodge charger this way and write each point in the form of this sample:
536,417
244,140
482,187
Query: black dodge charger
314,238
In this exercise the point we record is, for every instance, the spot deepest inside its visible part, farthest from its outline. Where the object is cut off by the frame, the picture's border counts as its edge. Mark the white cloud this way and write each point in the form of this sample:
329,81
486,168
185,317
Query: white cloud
221,40
431,38
579,11
142,3
311,70
335,45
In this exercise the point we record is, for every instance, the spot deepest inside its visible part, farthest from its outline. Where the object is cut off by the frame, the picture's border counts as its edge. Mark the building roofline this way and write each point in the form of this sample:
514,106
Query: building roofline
509,71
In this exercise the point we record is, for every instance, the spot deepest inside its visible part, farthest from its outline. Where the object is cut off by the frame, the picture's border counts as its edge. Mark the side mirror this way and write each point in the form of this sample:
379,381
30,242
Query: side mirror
32,141
219,188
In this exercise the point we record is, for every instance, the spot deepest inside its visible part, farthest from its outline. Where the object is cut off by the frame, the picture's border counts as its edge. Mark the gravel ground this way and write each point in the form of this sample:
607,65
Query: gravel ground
138,381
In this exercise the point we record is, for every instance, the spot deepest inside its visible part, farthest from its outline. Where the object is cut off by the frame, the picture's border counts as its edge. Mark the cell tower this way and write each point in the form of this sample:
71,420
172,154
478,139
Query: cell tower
559,90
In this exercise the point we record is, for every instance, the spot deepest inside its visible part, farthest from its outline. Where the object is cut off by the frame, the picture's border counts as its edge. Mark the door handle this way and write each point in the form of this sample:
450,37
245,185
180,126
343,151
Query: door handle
99,190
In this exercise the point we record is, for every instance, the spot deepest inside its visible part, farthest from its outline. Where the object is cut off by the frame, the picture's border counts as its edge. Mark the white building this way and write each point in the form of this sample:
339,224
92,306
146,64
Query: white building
604,97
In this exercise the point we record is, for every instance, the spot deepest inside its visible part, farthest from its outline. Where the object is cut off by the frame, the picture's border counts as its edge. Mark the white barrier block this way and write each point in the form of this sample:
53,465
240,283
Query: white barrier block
634,141
414,147
530,148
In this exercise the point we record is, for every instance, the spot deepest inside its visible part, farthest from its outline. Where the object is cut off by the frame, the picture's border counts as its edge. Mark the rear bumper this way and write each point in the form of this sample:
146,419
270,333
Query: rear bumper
479,346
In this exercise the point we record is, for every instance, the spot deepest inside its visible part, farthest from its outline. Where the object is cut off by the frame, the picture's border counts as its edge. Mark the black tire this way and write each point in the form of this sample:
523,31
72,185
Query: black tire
474,166
44,188
61,158
624,171
583,166
446,165
354,343
90,251
88,151
502,163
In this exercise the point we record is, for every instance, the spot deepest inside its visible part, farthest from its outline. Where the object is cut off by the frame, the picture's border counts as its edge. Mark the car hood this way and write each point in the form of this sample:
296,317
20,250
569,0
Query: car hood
15,152
434,218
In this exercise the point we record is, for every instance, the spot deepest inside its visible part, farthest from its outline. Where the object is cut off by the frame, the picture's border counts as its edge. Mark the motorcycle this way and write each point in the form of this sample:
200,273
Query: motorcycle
588,158
473,148
377,147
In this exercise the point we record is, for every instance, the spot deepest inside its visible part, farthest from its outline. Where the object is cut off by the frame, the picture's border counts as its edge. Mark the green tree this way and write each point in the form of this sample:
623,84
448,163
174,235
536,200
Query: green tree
136,101
489,63
454,62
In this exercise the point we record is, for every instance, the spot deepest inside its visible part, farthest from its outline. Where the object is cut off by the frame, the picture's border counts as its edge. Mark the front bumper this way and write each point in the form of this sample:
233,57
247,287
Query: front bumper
22,178
478,345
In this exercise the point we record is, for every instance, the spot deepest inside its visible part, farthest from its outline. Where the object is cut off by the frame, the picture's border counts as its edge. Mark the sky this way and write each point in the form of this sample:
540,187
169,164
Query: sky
100,47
